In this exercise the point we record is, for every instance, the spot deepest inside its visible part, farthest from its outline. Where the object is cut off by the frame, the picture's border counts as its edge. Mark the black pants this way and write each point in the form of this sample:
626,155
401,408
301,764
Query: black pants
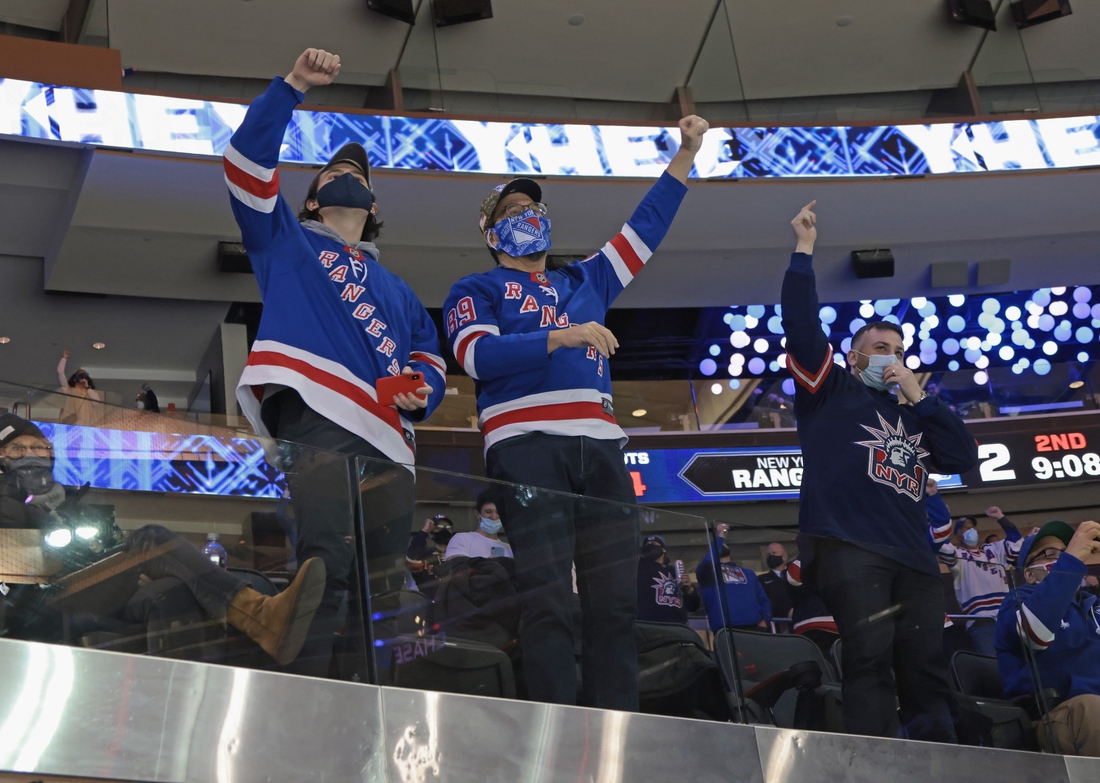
890,619
549,533
214,588
324,487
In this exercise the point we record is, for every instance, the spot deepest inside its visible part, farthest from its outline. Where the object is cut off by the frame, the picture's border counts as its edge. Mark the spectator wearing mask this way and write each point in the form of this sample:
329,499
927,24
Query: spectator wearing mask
979,571
82,399
28,492
863,527
664,595
535,343
776,585
1061,625
426,550
810,617
485,541
335,321
739,601
146,400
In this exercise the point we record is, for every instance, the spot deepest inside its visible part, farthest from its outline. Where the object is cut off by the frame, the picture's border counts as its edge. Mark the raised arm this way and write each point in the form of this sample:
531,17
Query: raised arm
252,155
62,379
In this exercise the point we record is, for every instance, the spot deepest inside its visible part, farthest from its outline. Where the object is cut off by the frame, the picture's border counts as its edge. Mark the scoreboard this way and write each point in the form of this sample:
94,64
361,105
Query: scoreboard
1050,452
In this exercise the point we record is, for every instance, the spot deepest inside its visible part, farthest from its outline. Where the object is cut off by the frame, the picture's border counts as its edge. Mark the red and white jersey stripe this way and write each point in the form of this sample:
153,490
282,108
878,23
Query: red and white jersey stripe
465,342
1030,627
432,360
627,254
822,623
328,388
568,412
811,381
250,183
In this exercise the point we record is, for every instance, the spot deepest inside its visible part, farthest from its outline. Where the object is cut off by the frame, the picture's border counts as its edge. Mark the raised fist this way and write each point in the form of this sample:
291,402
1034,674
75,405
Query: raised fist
314,68
692,129
805,228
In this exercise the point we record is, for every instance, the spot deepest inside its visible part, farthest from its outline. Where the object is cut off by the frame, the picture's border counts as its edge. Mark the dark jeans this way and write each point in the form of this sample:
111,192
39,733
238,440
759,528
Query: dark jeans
890,616
323,492
214,588
549,533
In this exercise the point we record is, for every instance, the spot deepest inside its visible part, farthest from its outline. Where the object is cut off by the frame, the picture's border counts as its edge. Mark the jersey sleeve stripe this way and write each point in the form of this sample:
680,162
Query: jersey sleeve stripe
621,270
233,156
637,245
811,381
436,362
265,205
464,339
469,352
627,253
245,181
1038,635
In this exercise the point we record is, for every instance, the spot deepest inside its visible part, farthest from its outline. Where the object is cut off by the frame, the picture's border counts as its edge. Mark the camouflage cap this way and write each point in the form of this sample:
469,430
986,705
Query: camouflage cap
519,185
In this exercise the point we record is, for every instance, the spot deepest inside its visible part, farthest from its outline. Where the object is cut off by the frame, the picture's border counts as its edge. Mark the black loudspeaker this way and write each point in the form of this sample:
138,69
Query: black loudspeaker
401,10
233,258
977,13
873,263
448,12
1031,12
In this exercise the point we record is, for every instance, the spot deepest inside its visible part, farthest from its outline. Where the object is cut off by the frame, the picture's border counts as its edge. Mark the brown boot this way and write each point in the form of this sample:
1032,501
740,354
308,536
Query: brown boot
279,623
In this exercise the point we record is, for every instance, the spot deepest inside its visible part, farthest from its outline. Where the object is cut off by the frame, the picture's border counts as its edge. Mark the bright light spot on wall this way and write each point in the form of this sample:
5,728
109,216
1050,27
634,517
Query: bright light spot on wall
756,366
708,366
956,323
1006,353
912,362
1041,367
760,346
1059,308
1050,347
827,314
981,377
1013,313
714,350
740,339
953,366
716,388
956,300
866,311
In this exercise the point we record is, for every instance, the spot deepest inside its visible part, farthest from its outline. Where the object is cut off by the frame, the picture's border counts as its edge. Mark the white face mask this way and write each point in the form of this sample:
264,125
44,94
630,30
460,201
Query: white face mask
876,365
970,537
490,526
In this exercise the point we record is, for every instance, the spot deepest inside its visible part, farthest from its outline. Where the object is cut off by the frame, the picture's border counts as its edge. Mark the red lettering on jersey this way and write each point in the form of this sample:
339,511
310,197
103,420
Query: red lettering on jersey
394,368
513,291
363,311
327,257
562,321
548,315
529,305
352,292
591,353
599,367
452,321
338,274
375,328
466,312
387,347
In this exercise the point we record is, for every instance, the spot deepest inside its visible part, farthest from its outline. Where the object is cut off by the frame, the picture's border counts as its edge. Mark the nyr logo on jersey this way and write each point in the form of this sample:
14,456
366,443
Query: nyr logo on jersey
668,592
732,575
894,458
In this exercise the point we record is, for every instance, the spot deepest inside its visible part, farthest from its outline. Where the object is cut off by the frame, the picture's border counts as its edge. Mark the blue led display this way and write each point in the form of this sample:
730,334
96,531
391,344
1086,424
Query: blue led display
1027,331
182,125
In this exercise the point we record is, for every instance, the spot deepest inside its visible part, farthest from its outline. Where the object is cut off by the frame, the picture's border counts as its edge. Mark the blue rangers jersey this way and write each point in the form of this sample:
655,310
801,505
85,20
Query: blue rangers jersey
334,319
497,324
866,456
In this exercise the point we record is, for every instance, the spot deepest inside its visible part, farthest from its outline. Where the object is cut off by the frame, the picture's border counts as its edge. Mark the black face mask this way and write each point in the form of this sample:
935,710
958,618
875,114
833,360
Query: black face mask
774,561
33,475
345,191
653,552
442,536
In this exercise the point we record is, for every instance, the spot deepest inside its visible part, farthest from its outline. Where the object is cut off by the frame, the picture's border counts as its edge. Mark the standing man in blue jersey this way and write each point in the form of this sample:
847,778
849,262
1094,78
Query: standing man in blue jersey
334,322
535,344
862,519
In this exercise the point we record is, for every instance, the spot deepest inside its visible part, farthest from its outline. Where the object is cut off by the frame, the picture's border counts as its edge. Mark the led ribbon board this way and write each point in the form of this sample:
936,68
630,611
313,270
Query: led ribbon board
180,125
154,462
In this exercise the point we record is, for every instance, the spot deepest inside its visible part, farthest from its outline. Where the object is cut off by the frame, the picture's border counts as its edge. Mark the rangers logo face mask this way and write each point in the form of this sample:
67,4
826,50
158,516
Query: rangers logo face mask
521,235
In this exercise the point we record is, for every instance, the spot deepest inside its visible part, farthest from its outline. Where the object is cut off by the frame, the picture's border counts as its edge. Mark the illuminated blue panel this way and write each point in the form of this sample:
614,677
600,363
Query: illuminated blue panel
182,125
153,462
974,337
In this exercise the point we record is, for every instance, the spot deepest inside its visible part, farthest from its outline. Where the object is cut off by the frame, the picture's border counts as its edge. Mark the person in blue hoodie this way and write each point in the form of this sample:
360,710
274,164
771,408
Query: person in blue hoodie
1060,623
741,602
335,321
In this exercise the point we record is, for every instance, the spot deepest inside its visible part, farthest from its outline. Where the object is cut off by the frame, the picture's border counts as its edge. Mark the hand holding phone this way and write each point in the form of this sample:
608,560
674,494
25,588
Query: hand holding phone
390,387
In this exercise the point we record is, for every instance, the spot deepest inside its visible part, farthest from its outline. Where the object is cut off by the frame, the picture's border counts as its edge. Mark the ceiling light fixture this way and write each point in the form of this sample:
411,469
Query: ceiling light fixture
5,340
99,346
639,413
1077,384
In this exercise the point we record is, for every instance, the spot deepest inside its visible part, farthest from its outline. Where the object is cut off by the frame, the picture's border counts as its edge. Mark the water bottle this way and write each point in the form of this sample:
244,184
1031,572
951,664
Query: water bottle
680,571
215,551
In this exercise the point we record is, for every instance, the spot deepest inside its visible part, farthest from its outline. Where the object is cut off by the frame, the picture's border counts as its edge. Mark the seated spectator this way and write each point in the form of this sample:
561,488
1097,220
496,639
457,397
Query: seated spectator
425,552
739,602
810,617
1061,625
82,400
146,400
664,596
775,584
28,492
485,541
980,572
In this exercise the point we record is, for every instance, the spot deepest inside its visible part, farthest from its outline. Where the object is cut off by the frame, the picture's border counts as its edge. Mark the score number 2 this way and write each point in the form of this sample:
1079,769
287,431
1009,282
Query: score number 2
995,456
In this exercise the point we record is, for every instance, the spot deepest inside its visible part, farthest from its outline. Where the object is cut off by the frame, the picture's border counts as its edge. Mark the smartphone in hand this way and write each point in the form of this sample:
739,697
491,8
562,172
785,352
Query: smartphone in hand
393,385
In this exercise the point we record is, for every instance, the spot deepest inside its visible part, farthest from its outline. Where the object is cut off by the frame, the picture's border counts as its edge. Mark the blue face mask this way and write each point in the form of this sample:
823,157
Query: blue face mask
876,365
491,526
970,537
345,191
521,235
